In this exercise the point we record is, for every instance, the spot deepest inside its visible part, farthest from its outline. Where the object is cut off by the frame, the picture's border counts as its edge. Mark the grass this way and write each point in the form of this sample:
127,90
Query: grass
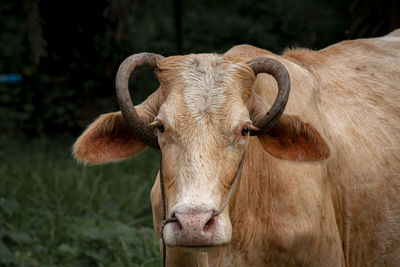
54,212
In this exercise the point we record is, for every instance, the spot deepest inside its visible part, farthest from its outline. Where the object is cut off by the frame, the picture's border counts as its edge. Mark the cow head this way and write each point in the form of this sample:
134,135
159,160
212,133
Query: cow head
201,118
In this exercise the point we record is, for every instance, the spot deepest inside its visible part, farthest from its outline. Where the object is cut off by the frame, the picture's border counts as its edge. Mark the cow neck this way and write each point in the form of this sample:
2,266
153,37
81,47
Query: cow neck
165,221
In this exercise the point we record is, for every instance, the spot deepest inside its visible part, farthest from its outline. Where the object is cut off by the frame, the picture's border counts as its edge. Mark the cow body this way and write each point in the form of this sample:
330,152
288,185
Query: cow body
321,188
344,211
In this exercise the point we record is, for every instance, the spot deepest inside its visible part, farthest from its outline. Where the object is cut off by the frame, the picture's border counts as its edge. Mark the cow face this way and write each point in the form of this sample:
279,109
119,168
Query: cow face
201,115
203,130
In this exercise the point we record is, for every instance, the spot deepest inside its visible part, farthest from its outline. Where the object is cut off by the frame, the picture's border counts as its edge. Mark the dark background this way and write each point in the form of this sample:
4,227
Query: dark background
68,51
55,212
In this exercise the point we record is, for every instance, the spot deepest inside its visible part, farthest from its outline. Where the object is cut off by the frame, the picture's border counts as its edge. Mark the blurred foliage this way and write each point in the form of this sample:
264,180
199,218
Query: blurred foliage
69,51
56,213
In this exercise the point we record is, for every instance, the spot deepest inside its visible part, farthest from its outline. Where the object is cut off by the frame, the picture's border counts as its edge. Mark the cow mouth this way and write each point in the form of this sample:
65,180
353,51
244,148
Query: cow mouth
196,244
200,248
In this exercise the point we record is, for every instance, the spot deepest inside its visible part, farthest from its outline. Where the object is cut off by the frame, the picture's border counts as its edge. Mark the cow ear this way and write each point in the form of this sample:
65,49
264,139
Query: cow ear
107,139
292,139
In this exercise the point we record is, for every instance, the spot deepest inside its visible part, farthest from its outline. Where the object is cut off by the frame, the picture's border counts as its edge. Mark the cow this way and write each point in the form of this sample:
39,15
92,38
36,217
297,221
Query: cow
267,160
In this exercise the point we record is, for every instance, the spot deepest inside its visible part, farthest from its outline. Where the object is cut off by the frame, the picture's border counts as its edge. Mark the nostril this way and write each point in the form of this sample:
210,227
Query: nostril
209,224
195,223
177,223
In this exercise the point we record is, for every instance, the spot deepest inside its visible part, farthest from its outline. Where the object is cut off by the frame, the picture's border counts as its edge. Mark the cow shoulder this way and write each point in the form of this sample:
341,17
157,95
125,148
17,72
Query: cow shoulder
247,51
395,33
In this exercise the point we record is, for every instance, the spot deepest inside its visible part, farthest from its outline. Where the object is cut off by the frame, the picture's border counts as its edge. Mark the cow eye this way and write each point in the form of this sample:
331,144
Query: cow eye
160,127
245,131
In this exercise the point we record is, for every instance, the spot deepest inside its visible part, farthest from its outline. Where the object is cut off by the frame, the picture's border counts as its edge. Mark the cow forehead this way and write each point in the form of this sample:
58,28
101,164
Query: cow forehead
205,89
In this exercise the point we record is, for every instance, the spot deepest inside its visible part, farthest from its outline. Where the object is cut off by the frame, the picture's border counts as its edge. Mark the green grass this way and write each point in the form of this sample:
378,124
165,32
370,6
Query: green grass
54,212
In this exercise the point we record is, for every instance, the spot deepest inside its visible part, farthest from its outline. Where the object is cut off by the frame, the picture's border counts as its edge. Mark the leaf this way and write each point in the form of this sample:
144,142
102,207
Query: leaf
100,255
67,249
10,206
19,237
104,231
110,230
6,257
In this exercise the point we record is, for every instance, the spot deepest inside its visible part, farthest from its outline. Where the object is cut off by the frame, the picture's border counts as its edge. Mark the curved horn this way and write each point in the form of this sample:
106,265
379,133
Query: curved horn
281,75
124,99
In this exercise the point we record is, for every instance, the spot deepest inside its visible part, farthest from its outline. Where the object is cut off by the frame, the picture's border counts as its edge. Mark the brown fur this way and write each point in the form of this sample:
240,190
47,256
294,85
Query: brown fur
293,139
339,207
107,139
